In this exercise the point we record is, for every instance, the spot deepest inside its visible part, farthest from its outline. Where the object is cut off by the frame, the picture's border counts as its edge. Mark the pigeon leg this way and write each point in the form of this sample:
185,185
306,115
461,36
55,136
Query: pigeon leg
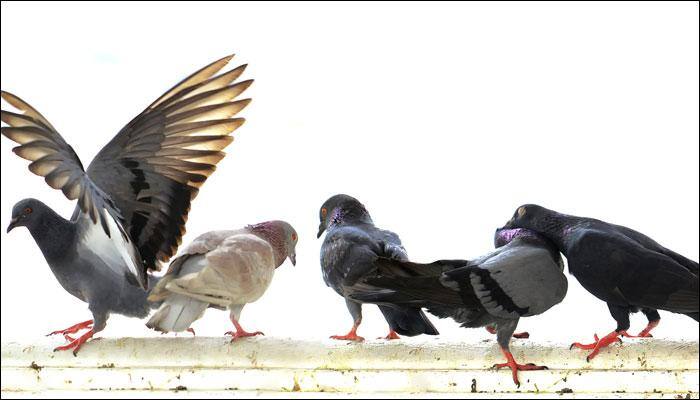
352,335
645,333
240,332
520,335
355,310
77,343
654,319
73,329
190,330
598,344
515,367
391,336
622,317
98,322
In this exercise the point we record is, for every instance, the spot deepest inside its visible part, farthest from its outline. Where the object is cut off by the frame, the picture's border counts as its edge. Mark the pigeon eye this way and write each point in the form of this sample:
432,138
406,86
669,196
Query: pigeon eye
294,237
324,212
521,211
28,211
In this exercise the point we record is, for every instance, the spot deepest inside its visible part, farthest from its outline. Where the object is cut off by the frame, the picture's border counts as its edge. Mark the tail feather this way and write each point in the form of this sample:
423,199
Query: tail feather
390,268
410,284
408,321
177,313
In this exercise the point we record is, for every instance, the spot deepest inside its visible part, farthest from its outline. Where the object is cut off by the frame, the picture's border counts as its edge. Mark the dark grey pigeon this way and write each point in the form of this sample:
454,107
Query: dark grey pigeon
522,278
624,268
350,249
133,199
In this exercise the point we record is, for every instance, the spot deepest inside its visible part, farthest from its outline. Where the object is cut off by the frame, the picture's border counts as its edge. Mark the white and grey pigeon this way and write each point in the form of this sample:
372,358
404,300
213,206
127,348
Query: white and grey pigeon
222,269
133,199
521,278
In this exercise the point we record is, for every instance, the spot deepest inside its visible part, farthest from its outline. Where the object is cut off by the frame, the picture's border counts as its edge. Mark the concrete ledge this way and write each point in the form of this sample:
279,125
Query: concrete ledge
267,367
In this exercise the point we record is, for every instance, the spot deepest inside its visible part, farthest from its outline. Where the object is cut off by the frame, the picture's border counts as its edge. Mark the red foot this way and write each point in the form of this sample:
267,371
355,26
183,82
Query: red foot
515,367
645,333
240,332
352,335
190,330
391,336
76,343
606,341
521,335
73,329
243,334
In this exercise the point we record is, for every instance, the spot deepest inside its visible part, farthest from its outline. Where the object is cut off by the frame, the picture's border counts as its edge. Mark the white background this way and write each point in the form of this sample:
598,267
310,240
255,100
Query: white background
441,118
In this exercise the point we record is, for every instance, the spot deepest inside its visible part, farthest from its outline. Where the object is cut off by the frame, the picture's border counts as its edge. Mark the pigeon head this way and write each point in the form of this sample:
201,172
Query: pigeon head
528,216
27,212
281,236
341,208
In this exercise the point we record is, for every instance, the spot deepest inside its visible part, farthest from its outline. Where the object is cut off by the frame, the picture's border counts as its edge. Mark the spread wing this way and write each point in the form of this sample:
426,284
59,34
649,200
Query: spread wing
54,159
156,164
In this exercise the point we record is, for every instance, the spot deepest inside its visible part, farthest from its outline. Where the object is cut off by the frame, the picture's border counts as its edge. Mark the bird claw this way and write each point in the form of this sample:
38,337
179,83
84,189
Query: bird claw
242,334
350,337
73,329
521,335
76,344
641,335
515,367
598,344
391,336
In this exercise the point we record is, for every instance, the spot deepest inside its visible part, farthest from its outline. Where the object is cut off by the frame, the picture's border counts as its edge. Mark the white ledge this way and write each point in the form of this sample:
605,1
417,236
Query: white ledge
265,366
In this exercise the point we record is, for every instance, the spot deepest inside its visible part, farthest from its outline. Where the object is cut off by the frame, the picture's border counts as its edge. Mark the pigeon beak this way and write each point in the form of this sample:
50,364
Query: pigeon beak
293,259
13,224
509,224
321,229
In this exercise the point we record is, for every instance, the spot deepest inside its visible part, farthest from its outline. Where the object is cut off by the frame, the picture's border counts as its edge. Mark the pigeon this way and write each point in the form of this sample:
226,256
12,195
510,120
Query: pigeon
351,246
521,278
222,269
133,199
624,268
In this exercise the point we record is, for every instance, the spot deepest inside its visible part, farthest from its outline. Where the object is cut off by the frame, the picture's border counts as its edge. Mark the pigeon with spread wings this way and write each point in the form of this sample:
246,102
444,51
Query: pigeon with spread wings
133,199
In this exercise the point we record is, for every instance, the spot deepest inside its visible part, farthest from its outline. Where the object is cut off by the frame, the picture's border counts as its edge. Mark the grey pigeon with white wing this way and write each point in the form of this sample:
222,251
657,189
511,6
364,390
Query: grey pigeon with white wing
133,199
222,269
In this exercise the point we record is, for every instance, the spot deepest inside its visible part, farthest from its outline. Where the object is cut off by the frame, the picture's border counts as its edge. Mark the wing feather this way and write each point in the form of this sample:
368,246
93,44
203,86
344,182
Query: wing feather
55,160
156,164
